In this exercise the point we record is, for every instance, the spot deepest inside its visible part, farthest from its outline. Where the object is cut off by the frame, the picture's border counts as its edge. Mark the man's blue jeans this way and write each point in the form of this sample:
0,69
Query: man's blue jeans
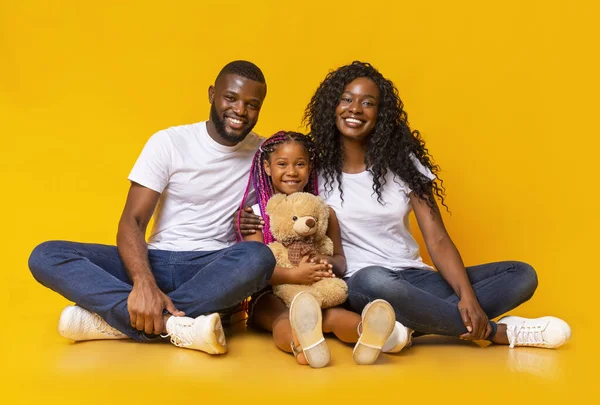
94,277
426,303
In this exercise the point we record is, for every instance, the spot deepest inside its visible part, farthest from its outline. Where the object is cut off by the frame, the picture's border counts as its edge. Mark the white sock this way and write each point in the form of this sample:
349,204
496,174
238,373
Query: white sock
398,339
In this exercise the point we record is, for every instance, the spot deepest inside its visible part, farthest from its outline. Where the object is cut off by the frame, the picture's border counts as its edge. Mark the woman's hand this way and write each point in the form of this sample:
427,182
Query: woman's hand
474,318
309,273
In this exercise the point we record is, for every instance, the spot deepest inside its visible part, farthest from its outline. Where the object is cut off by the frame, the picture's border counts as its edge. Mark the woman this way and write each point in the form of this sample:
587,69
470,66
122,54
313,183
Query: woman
375,170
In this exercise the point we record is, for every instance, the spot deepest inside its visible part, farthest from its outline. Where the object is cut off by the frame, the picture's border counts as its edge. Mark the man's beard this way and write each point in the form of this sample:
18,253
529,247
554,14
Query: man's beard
220,127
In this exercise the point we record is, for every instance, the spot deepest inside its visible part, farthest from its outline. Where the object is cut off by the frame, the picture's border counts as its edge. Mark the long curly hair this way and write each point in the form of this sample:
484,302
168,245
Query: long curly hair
389,147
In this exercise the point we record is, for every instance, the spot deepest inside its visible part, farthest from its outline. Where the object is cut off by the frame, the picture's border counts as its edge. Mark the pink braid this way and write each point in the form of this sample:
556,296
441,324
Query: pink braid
262,182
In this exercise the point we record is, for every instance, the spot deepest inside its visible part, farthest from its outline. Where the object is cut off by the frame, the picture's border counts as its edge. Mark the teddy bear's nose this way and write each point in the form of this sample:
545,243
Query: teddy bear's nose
310,222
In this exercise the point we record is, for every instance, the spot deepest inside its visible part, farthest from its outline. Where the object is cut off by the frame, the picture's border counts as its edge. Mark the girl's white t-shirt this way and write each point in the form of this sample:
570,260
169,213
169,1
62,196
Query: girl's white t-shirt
374,233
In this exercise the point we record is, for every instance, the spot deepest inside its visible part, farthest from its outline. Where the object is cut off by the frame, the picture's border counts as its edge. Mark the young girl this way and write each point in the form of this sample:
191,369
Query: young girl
286,164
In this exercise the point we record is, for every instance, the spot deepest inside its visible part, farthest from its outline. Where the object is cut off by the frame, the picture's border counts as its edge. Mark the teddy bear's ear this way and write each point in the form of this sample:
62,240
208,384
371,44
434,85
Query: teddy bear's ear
274,202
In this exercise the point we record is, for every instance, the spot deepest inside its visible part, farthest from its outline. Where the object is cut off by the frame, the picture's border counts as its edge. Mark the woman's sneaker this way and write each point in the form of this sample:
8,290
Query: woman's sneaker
79,324
204,333
400,338
547,332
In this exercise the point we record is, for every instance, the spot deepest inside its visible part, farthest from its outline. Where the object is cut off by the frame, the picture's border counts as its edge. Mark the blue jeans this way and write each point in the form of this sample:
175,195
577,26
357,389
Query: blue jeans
426,303
94,277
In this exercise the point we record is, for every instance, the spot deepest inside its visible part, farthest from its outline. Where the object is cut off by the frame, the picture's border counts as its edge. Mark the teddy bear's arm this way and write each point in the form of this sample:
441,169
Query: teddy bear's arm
325,246
281,254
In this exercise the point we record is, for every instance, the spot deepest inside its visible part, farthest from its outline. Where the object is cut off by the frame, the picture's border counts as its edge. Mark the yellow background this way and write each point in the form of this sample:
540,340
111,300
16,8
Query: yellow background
504,93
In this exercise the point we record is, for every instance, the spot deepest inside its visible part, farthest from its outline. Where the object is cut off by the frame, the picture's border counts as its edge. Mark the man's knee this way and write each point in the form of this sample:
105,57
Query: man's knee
39,259
259,260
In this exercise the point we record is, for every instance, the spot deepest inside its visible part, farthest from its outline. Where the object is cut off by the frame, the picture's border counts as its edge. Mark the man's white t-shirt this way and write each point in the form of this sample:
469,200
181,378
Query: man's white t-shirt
201,182
375,234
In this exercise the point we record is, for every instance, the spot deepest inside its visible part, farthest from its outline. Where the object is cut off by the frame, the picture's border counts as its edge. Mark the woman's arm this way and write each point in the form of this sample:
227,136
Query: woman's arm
447,260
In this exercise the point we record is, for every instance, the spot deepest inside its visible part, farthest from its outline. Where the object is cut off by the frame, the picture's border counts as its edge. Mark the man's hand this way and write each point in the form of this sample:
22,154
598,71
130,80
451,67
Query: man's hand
249,222
309,273
145,304
475,320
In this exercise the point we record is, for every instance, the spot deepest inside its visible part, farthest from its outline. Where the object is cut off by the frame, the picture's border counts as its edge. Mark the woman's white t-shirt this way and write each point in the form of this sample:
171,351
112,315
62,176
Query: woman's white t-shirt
374,233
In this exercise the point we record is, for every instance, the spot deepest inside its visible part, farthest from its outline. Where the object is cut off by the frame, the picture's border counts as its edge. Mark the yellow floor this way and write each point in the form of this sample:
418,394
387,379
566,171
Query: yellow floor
41,367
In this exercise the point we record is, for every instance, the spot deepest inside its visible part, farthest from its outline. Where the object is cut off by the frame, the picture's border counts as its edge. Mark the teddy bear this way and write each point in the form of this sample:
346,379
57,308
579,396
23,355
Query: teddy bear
298,222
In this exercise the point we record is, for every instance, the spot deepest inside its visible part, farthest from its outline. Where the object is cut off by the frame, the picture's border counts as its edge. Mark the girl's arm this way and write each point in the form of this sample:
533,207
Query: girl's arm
338,260
447,260
305,273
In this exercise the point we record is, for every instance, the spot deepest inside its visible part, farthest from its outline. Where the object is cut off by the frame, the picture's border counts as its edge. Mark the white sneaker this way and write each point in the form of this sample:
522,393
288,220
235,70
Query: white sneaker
547,332
205,333
400,338
78,324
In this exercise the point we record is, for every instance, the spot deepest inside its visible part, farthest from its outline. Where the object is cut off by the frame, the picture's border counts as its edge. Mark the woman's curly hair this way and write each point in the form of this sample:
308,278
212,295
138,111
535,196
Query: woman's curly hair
390,145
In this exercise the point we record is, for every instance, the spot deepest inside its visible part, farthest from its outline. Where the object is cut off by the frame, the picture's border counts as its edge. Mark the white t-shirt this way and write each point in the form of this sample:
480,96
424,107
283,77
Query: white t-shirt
375,234
201,183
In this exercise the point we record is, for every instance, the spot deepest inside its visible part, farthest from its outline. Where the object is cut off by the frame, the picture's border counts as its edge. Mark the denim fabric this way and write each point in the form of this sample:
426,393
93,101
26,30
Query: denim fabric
425,302
93,276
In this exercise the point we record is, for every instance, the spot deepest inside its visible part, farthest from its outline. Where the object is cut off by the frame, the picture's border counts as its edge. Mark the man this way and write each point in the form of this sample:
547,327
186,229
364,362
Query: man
194,177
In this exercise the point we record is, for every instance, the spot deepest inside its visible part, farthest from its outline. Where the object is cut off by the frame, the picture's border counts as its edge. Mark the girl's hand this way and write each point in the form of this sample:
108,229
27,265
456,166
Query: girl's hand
475,320
323,260
309,273
249,222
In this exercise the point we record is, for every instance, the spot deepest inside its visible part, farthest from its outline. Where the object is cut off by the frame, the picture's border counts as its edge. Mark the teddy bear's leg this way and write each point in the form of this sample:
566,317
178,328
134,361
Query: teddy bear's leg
287,292
330,292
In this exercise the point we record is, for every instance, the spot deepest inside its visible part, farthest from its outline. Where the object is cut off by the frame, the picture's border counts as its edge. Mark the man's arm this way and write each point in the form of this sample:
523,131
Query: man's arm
146,301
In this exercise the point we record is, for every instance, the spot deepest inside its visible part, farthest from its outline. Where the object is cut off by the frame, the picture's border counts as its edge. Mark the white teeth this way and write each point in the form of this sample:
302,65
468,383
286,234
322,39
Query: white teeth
235,121
354,121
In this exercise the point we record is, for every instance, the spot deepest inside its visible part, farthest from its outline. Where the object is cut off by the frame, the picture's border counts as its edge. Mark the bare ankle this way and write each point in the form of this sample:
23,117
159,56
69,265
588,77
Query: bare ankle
500,338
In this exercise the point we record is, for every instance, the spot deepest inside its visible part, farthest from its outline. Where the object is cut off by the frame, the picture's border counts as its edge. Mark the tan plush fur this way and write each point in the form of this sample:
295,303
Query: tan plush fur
303,206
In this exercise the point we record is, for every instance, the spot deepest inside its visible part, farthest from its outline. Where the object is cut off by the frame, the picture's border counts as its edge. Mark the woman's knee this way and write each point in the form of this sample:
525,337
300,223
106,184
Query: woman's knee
528,278
369,281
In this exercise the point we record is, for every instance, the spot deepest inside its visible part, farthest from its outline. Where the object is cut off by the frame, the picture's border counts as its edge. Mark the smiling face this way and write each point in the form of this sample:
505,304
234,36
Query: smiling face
356,112
235,105
289,168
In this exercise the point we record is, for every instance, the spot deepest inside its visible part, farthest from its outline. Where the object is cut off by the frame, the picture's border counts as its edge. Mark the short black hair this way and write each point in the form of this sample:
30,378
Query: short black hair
243,68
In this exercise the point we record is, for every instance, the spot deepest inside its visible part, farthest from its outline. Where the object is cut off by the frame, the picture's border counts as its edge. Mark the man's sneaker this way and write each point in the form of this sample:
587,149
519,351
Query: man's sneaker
548,332
78,324
205,333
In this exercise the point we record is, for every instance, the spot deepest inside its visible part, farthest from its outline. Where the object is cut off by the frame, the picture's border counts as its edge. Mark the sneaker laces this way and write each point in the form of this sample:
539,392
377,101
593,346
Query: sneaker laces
180,335
526,334
103,327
